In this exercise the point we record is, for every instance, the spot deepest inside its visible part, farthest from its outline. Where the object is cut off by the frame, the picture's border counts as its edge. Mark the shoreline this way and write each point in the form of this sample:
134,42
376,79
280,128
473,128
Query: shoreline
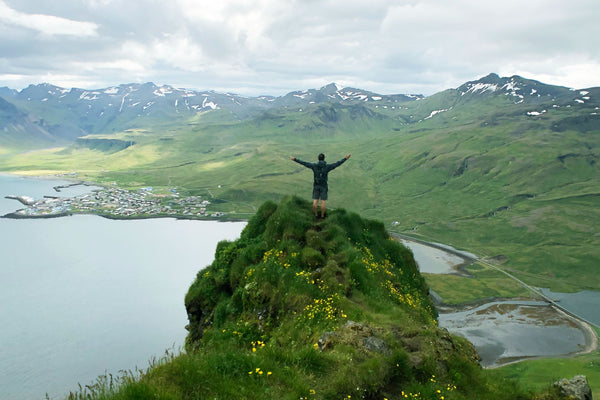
15,215
23,214
591,337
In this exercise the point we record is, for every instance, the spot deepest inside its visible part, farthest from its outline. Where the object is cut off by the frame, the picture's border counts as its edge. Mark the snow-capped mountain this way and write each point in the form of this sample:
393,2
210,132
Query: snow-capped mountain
147,99
70,113
334,93
53,113
521,90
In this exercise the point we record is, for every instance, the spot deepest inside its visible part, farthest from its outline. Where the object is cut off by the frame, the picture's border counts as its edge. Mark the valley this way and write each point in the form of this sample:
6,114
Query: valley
503,167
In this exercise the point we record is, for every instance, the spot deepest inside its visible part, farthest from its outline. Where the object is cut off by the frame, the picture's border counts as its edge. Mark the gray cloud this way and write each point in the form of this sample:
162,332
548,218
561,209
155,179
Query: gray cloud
272,47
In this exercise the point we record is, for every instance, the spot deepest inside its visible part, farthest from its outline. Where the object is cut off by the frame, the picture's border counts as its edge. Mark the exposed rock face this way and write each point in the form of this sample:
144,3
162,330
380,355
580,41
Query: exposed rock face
576,388
373,343
355,334
326,341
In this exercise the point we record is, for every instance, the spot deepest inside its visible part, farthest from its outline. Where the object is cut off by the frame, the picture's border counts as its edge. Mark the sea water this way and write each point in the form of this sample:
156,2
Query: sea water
84,295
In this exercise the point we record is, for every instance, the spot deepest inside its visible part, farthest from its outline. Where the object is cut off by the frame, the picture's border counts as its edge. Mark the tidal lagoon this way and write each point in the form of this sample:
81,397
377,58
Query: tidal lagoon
508,331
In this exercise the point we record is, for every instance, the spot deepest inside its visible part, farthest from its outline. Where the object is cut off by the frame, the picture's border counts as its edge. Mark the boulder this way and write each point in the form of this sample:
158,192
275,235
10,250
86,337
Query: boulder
375,344
576,388
326,341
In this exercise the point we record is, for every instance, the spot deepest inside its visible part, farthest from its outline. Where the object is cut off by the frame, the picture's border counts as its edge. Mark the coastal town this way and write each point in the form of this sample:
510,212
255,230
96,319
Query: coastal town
115,203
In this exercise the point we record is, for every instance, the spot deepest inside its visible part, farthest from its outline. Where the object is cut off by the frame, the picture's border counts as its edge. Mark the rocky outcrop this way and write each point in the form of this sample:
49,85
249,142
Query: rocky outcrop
356,334
576,388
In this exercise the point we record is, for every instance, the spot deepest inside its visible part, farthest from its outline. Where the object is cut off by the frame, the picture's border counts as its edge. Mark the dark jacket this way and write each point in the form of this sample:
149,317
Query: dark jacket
320,170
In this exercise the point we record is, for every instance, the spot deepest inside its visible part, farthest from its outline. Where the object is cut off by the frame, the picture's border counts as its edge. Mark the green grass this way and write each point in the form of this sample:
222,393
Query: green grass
483,285
538,374
258,312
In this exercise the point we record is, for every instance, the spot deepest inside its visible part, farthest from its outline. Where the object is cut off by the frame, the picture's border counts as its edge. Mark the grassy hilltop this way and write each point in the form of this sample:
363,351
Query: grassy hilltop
305,309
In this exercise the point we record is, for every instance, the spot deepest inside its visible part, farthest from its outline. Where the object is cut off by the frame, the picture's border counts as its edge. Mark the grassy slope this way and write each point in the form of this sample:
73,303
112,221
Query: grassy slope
498,183
258,311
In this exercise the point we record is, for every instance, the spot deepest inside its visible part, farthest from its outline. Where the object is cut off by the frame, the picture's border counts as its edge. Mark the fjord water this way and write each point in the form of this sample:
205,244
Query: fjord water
85,295
584,303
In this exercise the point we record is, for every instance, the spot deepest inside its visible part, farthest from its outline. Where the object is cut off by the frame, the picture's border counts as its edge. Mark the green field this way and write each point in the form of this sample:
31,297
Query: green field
538,374
482,285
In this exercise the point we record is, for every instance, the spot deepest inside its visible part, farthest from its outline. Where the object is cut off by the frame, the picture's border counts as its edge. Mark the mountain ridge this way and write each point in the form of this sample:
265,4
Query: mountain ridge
75,112
56,114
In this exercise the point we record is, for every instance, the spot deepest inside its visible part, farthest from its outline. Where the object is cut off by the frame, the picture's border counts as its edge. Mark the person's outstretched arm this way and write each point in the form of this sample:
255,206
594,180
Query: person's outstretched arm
338,163
306,164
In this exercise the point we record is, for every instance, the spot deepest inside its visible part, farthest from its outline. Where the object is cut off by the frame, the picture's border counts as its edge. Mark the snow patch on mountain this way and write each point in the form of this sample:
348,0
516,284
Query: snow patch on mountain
536,113
210,104
90,96
123,102
163,91
481,87
187,93
437,112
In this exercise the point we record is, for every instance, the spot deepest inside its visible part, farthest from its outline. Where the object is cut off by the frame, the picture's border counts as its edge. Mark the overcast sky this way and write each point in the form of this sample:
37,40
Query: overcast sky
255,47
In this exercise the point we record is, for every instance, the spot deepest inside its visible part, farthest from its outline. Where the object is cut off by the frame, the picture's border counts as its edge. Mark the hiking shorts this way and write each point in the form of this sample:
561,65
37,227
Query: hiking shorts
319,192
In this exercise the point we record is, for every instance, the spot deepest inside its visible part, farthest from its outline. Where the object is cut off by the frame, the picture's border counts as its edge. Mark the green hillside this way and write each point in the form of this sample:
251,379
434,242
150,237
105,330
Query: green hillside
304,309
472,170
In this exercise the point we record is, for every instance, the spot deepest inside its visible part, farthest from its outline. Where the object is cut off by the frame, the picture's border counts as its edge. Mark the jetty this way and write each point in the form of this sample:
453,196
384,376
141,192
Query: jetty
26,200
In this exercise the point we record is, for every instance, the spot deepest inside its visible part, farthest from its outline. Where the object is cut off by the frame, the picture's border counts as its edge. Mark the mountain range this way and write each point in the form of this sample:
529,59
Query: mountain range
43,114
